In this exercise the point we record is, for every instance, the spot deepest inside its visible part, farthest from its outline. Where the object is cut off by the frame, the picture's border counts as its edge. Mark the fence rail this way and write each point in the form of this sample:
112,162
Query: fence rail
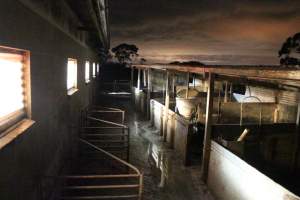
137,174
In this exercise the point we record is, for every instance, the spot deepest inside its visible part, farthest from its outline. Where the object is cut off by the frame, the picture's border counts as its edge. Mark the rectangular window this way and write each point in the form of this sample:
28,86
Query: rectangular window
87,71
98,69
72,76
94,70
14,87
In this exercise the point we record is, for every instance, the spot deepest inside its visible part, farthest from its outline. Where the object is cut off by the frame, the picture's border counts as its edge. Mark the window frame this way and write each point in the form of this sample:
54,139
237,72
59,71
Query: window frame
20,117
94,70
74,88
98,69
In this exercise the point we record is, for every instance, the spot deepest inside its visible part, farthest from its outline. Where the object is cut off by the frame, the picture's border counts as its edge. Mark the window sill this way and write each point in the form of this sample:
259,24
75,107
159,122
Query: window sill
15,131
72,91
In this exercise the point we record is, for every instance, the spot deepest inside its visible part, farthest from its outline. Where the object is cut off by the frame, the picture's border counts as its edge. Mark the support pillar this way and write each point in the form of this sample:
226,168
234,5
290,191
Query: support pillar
230,92
226,92
296,145
208,128
144,78
132,85
173,86
167,105
187,85
149,91
194,81
139,80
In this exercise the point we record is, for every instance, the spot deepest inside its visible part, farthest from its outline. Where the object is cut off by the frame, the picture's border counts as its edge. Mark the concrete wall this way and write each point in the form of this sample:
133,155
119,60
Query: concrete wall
39,151
177,129
182,138
157,111
171,129
232,178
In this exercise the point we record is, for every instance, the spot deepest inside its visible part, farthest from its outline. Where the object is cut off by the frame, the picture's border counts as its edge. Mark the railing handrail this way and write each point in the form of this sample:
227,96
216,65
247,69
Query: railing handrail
104,107
104,127
260,108
112,156
105,111
108,122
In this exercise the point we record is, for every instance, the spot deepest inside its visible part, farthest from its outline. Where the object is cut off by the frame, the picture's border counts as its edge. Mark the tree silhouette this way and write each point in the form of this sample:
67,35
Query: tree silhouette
143,61
190,63
125,52
288,51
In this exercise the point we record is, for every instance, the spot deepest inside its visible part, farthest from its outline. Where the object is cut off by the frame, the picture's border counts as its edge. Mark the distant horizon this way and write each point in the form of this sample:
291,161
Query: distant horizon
214,59
245,32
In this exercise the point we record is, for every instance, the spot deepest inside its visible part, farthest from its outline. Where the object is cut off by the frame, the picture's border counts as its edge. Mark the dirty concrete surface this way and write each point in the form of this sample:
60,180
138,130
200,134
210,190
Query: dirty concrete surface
178,182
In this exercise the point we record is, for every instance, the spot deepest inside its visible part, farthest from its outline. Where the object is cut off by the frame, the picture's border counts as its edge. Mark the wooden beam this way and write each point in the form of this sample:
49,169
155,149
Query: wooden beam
167,105
255,72
208,128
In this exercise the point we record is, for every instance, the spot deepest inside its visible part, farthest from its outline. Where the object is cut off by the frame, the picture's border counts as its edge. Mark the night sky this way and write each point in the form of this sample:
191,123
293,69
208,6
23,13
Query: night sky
211,31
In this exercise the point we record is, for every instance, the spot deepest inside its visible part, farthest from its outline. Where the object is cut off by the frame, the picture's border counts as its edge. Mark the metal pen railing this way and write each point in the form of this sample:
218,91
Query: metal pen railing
110,127
133,177
137,174
117,85
119,180
242,110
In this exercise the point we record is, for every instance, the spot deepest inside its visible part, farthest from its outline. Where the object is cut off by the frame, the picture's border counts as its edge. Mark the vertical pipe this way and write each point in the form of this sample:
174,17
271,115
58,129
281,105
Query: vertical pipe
167,105
208,128
141,187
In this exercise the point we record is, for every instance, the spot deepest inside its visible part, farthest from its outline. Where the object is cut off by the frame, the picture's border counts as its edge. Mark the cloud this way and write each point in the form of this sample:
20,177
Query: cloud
256,27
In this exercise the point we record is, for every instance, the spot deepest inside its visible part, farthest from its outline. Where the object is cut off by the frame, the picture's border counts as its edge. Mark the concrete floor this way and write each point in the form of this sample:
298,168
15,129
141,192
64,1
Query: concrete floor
182,183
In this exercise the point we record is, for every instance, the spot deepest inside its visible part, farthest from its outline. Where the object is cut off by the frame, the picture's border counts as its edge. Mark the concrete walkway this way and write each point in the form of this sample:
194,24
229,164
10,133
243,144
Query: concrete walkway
182,183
